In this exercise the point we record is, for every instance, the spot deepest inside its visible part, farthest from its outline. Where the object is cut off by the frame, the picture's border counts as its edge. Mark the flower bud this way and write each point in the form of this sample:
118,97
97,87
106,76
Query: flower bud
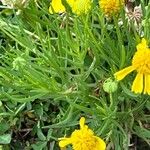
110,86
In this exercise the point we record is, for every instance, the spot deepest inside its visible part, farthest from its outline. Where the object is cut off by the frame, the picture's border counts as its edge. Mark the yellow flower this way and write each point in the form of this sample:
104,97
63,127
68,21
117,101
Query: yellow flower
78,6
83,139
57,6
81,6
110,7
140,63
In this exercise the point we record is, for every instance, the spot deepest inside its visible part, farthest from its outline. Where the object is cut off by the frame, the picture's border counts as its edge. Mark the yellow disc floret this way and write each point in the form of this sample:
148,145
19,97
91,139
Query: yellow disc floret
81,6
111,7
141,61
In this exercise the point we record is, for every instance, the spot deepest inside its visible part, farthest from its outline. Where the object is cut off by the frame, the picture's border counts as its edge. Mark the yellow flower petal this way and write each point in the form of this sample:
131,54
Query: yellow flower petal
142,45
64,142
101,145
124,72
82,122
56,7
147,84
137,85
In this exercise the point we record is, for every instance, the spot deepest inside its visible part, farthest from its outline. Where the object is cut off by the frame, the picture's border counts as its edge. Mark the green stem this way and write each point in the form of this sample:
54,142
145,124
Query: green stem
111,100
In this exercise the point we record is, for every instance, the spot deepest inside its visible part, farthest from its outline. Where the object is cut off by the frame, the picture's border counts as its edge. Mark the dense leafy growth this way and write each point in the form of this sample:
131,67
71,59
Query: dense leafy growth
56,68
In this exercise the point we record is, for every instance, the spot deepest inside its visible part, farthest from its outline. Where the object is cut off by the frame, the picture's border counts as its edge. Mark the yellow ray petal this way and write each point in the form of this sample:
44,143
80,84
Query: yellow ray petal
64,142
142,45
82,122
122,73
56,6
137,85
147,84
101,145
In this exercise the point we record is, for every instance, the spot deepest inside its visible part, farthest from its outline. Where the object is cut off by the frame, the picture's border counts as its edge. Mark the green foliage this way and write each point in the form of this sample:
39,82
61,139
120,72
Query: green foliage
52,70
5,139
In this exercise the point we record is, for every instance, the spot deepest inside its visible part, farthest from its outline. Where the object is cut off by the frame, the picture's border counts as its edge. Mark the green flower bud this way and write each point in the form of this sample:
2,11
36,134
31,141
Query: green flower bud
110,86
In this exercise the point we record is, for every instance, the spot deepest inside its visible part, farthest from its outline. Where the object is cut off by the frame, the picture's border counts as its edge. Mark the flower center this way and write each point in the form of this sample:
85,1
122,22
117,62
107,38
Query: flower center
111,6
141,61
83,140
81,6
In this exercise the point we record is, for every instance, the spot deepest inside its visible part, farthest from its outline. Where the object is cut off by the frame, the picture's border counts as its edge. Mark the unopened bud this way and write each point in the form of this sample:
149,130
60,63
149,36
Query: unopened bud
110,86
